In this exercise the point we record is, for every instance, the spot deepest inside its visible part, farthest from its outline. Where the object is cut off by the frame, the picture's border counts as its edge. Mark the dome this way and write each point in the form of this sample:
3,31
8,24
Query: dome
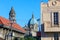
32,21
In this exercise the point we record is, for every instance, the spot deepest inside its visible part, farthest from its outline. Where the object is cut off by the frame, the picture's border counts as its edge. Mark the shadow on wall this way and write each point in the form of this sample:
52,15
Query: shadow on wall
45,34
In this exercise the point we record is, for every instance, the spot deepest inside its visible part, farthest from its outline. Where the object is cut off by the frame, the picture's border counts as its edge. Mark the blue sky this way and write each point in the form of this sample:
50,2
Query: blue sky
23,9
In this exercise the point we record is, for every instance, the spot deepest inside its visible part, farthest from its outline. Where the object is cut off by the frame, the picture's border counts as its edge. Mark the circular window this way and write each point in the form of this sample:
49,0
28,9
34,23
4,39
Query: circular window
54,3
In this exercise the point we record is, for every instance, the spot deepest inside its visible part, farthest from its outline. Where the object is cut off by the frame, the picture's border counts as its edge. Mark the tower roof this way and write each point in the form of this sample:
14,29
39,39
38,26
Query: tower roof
12,11
12,15
32,20
32,15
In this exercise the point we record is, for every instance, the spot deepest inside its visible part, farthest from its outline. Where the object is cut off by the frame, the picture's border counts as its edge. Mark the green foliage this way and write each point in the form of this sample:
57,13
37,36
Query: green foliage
30,38
27,38
22,39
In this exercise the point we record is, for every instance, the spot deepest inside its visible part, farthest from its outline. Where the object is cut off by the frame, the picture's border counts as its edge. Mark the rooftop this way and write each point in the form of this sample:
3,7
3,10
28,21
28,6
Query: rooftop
6,22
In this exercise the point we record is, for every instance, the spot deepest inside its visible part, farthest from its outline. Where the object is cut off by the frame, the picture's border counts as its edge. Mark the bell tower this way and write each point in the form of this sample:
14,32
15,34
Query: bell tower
12,15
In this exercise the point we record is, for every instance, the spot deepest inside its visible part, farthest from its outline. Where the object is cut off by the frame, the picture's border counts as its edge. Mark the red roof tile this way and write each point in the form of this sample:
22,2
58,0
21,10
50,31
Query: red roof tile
7,23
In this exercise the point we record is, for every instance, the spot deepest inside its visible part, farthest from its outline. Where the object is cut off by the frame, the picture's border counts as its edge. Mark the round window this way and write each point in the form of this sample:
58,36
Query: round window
54,3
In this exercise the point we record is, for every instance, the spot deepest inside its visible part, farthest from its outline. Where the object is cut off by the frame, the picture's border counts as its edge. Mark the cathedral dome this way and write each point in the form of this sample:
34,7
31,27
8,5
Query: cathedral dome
32,21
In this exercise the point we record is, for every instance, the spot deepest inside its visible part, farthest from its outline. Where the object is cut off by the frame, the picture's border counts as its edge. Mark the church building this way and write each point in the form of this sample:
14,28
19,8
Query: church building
32,27
50,20
9,29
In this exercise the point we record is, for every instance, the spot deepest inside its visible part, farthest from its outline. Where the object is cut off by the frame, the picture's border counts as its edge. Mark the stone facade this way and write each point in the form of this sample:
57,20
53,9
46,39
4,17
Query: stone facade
4,33
47,20
9,29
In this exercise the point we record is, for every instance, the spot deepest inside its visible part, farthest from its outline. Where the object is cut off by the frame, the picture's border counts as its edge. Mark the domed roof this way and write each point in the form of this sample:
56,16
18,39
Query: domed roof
32,20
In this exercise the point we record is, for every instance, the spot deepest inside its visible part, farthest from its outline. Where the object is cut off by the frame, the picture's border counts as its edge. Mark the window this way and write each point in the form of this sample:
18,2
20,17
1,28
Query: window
55,18
56,37
54,3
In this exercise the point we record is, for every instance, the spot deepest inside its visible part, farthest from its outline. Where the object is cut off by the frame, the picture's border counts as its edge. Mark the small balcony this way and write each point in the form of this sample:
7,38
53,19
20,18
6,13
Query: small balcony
50,27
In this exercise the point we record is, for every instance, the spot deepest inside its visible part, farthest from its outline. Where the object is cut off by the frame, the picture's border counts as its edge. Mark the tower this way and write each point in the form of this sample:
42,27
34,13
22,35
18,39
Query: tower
12,15
33,25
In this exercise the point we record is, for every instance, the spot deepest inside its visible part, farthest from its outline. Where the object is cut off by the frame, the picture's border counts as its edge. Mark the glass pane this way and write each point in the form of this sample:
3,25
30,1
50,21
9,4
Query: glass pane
56,37
56,18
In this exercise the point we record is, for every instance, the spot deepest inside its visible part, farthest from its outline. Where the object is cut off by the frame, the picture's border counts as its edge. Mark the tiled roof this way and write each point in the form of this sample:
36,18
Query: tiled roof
6,22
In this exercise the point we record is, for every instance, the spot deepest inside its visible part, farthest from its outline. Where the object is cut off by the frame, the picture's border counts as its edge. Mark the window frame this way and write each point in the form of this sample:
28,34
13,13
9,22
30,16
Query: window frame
56,36
56,18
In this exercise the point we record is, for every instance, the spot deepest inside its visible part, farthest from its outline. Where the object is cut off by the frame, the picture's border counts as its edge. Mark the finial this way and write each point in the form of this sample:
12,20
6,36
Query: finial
12,8
12,11
32,15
